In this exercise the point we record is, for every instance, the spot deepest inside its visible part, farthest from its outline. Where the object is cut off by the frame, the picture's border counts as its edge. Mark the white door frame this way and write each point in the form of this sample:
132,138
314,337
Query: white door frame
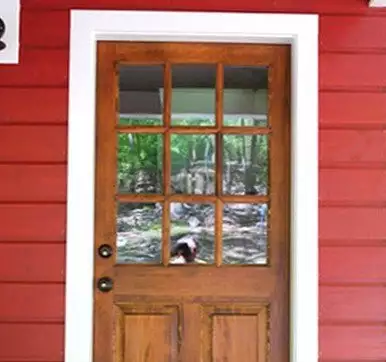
299,30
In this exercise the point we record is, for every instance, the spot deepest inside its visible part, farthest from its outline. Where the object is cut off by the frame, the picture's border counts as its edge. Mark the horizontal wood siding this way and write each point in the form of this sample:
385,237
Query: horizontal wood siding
41,105
33,155
31,342
33,183
25,222
29,306
25,143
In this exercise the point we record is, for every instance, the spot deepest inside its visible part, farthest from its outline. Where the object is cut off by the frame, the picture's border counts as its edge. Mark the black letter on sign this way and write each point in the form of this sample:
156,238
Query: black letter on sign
2,31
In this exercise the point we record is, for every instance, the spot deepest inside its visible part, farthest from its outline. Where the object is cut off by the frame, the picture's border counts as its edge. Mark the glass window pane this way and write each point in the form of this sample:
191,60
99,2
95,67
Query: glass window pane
192,233
193,164
140,92
139,232
139,168
245,233
245,96
245,164
193,98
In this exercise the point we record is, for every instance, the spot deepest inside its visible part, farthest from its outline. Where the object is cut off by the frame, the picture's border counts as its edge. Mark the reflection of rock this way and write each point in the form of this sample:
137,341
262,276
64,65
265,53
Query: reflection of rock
198,178
143,181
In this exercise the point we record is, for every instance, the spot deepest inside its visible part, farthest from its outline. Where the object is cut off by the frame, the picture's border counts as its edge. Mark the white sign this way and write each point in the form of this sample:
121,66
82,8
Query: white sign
377,3
10,15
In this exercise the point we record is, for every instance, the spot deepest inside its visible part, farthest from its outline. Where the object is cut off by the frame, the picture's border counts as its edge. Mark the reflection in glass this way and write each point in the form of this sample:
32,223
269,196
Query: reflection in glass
245,164
139,168
245,96
192,233
245,233
193,97
193,163
139,233
140,94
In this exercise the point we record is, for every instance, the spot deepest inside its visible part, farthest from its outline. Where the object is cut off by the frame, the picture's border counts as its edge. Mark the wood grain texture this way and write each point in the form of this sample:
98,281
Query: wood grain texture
30,223
355,185
356,109
352,33
205,282
352,343
32,303
37,67
33,183
327,6
28,342
352,223
352,265
35,263
149,283
352,146
352,71
195,53
33,105
230,333
33,144
151,337
105,184
235,333
354,304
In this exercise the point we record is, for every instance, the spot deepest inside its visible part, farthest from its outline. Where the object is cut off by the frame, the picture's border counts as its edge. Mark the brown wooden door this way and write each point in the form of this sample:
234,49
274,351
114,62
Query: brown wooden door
192,196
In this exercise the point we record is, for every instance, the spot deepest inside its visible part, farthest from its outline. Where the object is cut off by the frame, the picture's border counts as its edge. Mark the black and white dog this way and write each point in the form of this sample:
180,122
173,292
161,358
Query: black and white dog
184,251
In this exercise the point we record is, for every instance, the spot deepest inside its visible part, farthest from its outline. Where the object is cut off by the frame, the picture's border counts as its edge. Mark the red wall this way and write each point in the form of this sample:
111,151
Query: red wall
33,119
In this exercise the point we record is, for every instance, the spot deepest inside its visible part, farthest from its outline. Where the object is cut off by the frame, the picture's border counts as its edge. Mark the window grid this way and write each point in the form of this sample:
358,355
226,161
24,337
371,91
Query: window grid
218,199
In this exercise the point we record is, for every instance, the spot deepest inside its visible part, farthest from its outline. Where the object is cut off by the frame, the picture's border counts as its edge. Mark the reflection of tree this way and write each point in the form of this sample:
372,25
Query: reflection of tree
193,161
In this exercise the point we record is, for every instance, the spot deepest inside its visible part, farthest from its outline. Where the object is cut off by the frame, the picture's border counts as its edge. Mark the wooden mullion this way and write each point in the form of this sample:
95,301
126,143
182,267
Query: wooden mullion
166,225
204,199
218,232
246,130
219,163
140,198
194,130
140,129
166,162
184,198
250,199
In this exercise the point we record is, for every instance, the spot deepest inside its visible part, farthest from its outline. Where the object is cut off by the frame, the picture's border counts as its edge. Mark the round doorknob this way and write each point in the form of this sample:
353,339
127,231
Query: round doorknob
105,251
105,284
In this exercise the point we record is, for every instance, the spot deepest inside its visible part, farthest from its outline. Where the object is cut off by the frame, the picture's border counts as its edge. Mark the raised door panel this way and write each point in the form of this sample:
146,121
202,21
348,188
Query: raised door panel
236,333
147,333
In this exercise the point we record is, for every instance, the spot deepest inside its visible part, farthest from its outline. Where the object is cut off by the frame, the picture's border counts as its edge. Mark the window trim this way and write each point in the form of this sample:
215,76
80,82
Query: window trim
88,26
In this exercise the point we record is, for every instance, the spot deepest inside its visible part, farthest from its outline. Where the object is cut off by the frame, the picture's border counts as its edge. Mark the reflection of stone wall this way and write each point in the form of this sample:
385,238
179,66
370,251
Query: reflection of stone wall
198,180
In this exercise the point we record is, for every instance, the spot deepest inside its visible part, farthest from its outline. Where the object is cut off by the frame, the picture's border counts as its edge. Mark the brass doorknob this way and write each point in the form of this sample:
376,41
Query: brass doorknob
105,284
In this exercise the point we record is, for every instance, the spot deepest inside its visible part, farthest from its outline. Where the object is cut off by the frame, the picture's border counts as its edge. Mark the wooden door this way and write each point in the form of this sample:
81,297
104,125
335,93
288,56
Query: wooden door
192,203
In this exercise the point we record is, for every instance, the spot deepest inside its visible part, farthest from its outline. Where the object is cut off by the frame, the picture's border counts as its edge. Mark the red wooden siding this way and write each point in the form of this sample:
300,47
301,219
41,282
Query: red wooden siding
40,105
33,153
33,183
29,306
361,110
31,342
25,143
32,222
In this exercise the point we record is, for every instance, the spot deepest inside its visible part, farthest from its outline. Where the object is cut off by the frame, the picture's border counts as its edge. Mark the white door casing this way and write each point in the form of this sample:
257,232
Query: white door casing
301,31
